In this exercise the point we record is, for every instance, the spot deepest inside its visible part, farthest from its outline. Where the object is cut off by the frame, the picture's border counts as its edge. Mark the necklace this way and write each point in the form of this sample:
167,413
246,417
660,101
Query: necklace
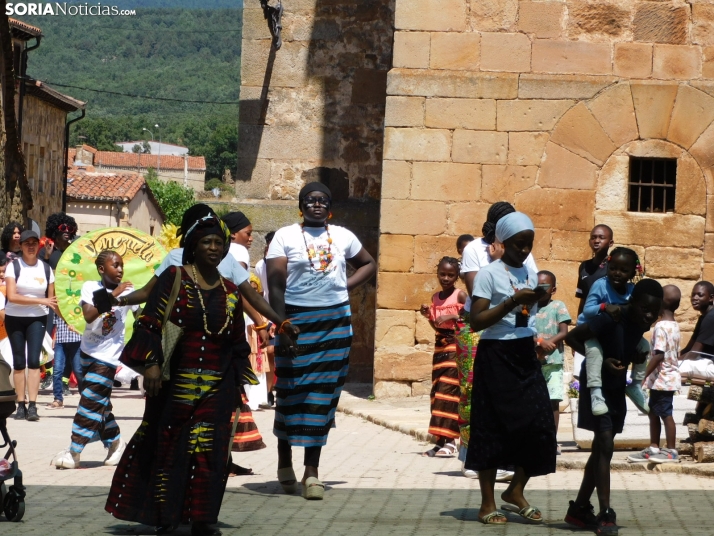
525,309
203,306
324,260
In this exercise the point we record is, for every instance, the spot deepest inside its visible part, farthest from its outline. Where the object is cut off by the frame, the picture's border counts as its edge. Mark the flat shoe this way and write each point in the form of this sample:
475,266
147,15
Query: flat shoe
313,489
526,513
285,475
489,519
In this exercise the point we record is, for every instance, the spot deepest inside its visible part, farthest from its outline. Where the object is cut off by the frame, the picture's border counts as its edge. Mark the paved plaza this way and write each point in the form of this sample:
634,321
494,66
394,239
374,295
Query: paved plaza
378,484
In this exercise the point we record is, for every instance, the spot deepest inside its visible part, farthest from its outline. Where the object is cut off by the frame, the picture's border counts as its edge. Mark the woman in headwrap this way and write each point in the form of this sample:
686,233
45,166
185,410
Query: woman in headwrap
307,276
511,418
175,467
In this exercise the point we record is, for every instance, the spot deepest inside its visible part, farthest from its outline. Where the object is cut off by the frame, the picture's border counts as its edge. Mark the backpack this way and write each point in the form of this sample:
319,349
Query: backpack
17,267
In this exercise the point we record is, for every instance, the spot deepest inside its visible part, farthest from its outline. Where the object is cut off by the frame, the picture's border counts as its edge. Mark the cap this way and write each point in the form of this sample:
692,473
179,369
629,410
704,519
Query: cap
26,235
236,221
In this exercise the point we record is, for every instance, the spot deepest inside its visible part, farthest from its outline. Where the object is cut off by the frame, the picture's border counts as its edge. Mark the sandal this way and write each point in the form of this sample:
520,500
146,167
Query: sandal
287,479
527,512
447,451
237,470
56,404
313,489
490,518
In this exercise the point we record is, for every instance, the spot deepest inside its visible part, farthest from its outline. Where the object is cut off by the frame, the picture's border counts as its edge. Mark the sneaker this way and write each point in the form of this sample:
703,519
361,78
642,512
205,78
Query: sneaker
32,413
115,451
642,456
504,476
65,390
66,459
134,385
607,523
117,384
665,456
634,391
581,516
598,405
21,413
46,383
468,473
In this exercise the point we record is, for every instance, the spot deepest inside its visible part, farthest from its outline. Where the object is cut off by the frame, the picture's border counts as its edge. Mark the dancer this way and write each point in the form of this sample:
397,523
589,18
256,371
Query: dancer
307,274
619,340
511,417
102,344
175,467
443,314
241,237
30,295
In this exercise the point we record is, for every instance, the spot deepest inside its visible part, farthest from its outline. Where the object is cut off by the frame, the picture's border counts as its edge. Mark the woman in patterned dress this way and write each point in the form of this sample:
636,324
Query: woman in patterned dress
175,467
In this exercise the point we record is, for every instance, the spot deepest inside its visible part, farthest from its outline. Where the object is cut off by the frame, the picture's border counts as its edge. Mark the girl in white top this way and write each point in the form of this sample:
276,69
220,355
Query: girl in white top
30,294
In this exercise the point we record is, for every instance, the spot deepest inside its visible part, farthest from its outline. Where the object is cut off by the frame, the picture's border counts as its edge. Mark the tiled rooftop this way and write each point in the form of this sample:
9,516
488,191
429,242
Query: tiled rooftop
103,186
145,161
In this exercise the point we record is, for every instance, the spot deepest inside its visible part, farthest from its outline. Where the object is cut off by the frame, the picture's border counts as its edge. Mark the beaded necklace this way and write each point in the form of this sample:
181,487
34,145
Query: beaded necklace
525,309
203,306
324,263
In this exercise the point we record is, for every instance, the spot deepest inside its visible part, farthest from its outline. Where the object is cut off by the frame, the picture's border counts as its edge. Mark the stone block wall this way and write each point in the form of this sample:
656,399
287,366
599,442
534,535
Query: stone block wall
540,103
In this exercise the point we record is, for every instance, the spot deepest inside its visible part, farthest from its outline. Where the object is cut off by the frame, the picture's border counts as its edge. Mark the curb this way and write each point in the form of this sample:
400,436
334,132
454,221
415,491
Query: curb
695,469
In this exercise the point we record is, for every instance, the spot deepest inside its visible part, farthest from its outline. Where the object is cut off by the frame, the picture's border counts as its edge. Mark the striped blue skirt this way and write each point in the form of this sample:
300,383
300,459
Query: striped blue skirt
308,386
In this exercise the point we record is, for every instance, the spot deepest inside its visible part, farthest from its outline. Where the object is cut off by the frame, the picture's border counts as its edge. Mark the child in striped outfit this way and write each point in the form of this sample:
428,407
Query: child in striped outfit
102,344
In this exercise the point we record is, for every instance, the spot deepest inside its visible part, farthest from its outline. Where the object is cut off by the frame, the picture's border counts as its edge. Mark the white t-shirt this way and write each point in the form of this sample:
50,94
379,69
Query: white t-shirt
32,284
495,283
261,270
475,257
240,253
228,267
103,339
311,282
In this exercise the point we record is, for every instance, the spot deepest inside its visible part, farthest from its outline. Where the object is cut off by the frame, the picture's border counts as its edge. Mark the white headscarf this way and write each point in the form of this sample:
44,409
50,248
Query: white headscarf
511,225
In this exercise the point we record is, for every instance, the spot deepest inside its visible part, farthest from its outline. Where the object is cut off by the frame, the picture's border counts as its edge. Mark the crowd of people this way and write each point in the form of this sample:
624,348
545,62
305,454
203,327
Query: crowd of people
498,366
214,341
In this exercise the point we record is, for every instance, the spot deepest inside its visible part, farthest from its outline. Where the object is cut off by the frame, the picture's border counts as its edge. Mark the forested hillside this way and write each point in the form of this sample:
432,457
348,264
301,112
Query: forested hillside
180,53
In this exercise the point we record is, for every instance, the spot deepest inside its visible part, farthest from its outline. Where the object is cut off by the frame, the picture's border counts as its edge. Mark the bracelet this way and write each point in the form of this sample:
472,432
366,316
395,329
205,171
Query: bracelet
515,303
539,341
263,326
282,326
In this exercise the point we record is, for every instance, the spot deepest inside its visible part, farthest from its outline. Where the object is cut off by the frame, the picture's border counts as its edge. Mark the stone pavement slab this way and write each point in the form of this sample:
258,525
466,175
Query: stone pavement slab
378,484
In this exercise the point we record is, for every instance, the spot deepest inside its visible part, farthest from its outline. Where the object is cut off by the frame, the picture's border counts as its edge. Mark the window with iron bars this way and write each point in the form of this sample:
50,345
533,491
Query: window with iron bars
653,184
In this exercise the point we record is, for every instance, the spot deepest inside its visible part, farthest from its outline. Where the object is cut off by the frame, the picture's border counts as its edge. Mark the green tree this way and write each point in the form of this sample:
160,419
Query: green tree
173,198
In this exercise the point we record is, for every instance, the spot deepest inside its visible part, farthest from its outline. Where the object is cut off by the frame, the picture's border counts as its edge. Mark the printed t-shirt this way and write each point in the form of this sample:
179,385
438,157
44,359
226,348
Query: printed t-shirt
32,284
228,268
314,280
261,270
240,253
103,339
601,292
496,284
588,272
619,340
704,332
3,301
666,339
475,257
547,323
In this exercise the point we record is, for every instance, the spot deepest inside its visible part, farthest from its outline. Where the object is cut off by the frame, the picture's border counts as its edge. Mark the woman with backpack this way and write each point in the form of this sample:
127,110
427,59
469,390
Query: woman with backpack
30,294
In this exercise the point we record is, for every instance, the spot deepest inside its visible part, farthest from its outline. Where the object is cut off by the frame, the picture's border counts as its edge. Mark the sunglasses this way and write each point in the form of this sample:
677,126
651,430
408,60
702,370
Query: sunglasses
311,201
65,228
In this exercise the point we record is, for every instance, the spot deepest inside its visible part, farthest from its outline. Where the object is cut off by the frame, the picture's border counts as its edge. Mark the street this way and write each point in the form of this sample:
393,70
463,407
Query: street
377,484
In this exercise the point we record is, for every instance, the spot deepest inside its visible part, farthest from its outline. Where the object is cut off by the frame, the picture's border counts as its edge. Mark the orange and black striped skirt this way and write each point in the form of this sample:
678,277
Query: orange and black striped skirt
247,436
445,387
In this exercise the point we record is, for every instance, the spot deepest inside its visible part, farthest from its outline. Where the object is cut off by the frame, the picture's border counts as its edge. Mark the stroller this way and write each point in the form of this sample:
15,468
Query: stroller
12,499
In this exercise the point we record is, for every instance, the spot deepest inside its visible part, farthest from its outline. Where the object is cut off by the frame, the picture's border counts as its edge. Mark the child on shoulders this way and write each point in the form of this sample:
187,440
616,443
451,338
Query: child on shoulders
663,380
551,322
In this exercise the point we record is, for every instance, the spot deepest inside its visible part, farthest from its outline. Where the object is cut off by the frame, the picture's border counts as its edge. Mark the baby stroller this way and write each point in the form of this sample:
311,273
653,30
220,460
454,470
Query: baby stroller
12,499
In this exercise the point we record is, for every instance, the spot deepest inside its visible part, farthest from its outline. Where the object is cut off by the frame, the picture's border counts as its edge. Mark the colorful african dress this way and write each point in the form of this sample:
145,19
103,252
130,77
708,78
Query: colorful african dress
466,343
445,385
175,467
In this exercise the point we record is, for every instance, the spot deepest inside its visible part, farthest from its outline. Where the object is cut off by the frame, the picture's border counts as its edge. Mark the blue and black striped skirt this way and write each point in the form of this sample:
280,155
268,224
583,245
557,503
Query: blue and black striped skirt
308,386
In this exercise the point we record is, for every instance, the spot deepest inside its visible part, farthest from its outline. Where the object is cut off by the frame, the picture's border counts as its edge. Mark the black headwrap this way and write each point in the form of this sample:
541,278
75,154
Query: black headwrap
236,221
209,225
191,216
314,187
495,212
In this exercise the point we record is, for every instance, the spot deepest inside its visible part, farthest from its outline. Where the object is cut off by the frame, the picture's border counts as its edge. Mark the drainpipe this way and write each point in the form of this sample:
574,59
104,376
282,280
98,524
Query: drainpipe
185,171
23,72
66,155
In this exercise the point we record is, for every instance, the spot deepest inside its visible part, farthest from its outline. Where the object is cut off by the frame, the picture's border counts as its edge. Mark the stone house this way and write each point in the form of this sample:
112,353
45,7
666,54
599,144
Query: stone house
578,112
99,199
186,170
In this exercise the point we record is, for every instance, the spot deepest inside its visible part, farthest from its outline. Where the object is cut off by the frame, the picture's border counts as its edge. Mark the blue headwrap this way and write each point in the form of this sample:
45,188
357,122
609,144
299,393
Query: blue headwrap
511,225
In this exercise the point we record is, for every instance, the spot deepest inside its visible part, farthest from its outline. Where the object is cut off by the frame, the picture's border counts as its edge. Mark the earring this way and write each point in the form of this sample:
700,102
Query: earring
300,212
330,216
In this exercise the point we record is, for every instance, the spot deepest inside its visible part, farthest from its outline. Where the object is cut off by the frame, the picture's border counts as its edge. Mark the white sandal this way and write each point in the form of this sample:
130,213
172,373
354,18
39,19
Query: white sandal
447,451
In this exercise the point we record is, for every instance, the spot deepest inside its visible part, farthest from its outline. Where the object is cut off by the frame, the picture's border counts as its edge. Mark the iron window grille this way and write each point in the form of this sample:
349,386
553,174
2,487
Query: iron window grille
653,184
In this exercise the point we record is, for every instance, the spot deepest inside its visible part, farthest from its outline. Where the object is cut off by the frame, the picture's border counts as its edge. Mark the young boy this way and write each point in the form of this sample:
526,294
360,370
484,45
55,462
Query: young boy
619,340
552,321
702,341
589,271
663,380
463,241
